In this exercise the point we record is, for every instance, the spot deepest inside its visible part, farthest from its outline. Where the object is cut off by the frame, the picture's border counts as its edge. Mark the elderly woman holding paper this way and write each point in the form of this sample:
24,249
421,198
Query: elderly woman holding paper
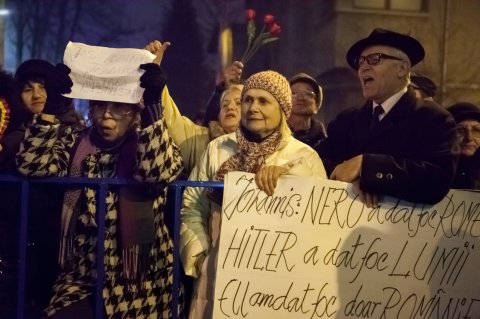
263,145
124,140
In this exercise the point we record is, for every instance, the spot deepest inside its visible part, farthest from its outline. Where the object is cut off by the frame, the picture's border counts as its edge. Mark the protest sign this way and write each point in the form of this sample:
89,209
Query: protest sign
105,74
312,250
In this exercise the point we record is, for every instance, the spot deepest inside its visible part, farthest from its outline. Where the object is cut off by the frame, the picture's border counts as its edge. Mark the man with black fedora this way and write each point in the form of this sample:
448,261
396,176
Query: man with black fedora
395,144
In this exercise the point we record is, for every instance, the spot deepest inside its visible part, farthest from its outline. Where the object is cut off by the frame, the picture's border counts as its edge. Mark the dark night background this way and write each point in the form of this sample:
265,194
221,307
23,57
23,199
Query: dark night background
41,29
315,37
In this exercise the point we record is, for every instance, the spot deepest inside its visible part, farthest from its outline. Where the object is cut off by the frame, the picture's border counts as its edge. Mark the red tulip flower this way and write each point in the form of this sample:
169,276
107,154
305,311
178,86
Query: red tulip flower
264,37
250,14
275,30
268,19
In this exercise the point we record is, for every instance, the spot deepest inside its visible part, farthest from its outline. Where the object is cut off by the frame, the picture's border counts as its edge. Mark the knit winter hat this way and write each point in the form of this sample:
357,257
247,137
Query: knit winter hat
34,69
275,84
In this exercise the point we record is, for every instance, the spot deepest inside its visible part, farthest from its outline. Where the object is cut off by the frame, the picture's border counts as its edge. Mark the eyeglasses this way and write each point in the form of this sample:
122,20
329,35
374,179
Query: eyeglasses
304,95
463,131
374,59
117,111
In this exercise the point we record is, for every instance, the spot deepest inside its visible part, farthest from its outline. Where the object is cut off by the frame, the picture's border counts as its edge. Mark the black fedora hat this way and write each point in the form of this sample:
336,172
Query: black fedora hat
412,48
464,111
33,69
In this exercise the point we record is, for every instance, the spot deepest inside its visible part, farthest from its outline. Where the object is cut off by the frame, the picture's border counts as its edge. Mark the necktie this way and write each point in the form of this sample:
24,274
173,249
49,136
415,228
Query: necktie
377,111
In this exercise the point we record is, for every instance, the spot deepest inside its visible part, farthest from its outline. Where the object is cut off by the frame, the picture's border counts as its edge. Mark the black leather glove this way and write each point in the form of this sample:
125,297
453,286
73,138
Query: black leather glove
57,82
153,81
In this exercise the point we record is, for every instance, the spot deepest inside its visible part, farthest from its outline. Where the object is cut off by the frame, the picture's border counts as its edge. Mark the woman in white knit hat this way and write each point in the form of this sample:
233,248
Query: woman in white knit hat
263,145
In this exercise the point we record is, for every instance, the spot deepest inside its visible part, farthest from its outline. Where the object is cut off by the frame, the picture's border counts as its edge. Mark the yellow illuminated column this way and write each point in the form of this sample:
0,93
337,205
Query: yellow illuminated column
225,47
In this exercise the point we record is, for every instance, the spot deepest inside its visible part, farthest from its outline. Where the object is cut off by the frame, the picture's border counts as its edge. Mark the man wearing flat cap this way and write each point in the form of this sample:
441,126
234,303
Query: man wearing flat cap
424,87
395,144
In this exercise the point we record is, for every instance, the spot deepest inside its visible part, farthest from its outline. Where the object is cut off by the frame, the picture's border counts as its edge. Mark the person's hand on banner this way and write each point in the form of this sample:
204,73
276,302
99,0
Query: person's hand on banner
349,170
267,177
370,200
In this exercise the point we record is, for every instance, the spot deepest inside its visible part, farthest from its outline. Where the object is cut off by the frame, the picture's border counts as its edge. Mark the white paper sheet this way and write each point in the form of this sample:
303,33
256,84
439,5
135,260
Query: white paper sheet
105,74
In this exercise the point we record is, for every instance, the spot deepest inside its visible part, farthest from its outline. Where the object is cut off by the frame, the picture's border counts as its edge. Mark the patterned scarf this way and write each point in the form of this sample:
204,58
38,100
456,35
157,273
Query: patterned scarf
69,211
135,204
250,158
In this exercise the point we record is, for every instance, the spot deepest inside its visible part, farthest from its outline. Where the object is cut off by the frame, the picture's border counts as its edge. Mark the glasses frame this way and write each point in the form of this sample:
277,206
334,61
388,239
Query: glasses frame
99,110
304,95
462,131
374,59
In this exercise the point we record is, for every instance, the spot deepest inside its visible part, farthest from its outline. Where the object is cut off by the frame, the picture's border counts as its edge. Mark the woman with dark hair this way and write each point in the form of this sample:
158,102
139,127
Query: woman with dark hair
37,89
125,141
263,144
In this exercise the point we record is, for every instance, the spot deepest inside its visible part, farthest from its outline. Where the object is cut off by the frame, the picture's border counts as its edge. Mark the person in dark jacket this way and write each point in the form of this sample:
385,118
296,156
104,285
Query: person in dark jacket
424,87
467,116
12,116
39,83
33,76
307,97
395,144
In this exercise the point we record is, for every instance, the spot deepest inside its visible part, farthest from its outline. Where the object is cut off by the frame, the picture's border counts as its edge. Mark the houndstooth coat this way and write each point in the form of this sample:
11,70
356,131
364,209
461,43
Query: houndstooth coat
44,153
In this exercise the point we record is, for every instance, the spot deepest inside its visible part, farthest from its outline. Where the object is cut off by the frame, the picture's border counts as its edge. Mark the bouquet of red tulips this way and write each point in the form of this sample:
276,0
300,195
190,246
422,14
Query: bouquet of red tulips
268,33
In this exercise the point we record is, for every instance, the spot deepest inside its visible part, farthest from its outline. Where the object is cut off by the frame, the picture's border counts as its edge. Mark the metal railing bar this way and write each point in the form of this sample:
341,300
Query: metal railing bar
101,210
22,250
102,185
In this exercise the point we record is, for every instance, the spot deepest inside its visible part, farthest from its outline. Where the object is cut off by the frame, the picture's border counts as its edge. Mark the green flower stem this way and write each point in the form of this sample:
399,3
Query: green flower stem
250,35
252,47
259,41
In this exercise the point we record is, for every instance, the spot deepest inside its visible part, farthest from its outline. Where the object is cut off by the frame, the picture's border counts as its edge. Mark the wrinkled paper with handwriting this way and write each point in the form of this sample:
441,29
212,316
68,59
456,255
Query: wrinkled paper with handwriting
105,74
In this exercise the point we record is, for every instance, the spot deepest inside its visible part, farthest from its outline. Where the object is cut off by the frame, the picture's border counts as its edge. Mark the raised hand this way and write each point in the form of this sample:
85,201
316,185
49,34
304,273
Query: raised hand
158,48
153,81
233,73
57,82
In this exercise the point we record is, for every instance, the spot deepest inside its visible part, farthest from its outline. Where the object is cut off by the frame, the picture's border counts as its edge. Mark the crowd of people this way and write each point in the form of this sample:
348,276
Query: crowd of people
398,141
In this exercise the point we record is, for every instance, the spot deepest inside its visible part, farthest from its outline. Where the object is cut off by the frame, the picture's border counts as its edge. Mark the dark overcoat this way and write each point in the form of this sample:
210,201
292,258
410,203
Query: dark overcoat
412,154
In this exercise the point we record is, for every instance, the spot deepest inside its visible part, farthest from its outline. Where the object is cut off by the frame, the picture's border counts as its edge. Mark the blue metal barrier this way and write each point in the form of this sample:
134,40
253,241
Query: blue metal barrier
101,185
